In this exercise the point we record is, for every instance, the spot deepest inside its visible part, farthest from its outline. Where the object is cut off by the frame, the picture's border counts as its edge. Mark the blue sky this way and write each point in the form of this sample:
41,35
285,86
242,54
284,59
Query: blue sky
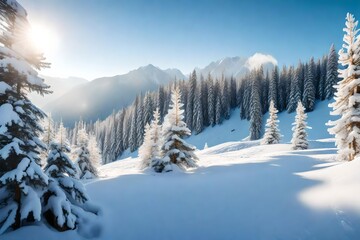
108,37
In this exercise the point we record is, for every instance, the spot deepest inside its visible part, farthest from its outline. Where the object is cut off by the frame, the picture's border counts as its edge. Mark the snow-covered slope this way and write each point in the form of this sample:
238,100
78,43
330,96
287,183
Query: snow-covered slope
98,98
236,129
240,191
237,66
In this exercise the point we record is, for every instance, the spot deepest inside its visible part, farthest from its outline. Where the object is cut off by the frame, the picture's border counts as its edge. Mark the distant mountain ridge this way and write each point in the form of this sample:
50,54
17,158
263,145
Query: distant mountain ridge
237,66
98,98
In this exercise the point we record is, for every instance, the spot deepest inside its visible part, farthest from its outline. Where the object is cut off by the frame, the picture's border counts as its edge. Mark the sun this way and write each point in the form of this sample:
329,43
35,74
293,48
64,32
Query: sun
44,39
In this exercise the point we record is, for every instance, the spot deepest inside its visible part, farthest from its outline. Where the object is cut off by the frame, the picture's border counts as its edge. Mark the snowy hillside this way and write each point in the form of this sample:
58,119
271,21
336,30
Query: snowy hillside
236,129
240,191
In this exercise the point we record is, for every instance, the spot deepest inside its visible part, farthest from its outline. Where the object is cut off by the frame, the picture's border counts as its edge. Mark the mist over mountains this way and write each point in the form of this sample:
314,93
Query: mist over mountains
99,98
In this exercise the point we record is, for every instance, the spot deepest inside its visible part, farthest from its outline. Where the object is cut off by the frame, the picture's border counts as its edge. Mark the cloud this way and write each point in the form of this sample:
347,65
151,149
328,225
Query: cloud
258,59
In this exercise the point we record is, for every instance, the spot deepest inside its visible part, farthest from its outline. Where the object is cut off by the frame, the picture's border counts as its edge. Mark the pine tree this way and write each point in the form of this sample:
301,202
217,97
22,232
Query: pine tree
322,94
198,123
309,87
86,167
272,133
94,151
211,101
49,130
225,100
218,104
175,149
255,108
64,194
295,91
299,138
21,177
331,73
347,101
274,87
149,152
190,101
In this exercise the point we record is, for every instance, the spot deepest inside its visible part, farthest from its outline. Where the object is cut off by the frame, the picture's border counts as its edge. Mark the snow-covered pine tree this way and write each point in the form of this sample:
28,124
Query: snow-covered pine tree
198,123
309,87
225,98
49,130
322,80
274,87
272,133
218,104
211,100
86,167
149,151
347,98
190,101
295,91
331,73
283,81
299,138
94,151
255,108
139,123
133,127
175,149
21,177
64,193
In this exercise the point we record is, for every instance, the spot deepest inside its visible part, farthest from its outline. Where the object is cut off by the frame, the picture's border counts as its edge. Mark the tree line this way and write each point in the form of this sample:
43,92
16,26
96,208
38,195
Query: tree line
208,102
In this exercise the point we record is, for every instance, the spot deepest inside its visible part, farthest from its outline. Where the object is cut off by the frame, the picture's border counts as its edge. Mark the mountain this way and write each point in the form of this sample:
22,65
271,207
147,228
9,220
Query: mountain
59,86
237,66
98,98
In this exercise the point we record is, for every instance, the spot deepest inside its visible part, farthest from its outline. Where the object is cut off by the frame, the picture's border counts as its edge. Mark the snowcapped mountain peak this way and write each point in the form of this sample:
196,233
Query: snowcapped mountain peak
237,66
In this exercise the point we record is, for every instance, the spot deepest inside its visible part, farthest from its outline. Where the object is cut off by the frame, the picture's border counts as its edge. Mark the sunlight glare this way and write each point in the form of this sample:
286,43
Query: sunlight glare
43,39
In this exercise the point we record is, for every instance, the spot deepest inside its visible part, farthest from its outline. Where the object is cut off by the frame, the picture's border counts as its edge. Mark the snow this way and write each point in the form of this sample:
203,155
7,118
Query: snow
241,190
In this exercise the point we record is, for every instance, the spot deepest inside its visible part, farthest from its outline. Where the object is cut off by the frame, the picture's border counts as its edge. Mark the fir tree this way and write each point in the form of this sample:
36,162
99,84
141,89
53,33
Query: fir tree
295,92
149,152
309,88
175,149
299,138
211,101
274,87
190,101
255,108
198,115
272,133
21,177
64,194
347,101
86,167
331,73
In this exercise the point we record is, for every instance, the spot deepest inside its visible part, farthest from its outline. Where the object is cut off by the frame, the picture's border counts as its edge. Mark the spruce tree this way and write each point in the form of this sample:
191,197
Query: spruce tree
190,101
309,87
198,123
347,101
64,194
272,133
211,100
174,148
299,138
21,177
149,152
295,91
255,108
331,73
274,87
87,169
